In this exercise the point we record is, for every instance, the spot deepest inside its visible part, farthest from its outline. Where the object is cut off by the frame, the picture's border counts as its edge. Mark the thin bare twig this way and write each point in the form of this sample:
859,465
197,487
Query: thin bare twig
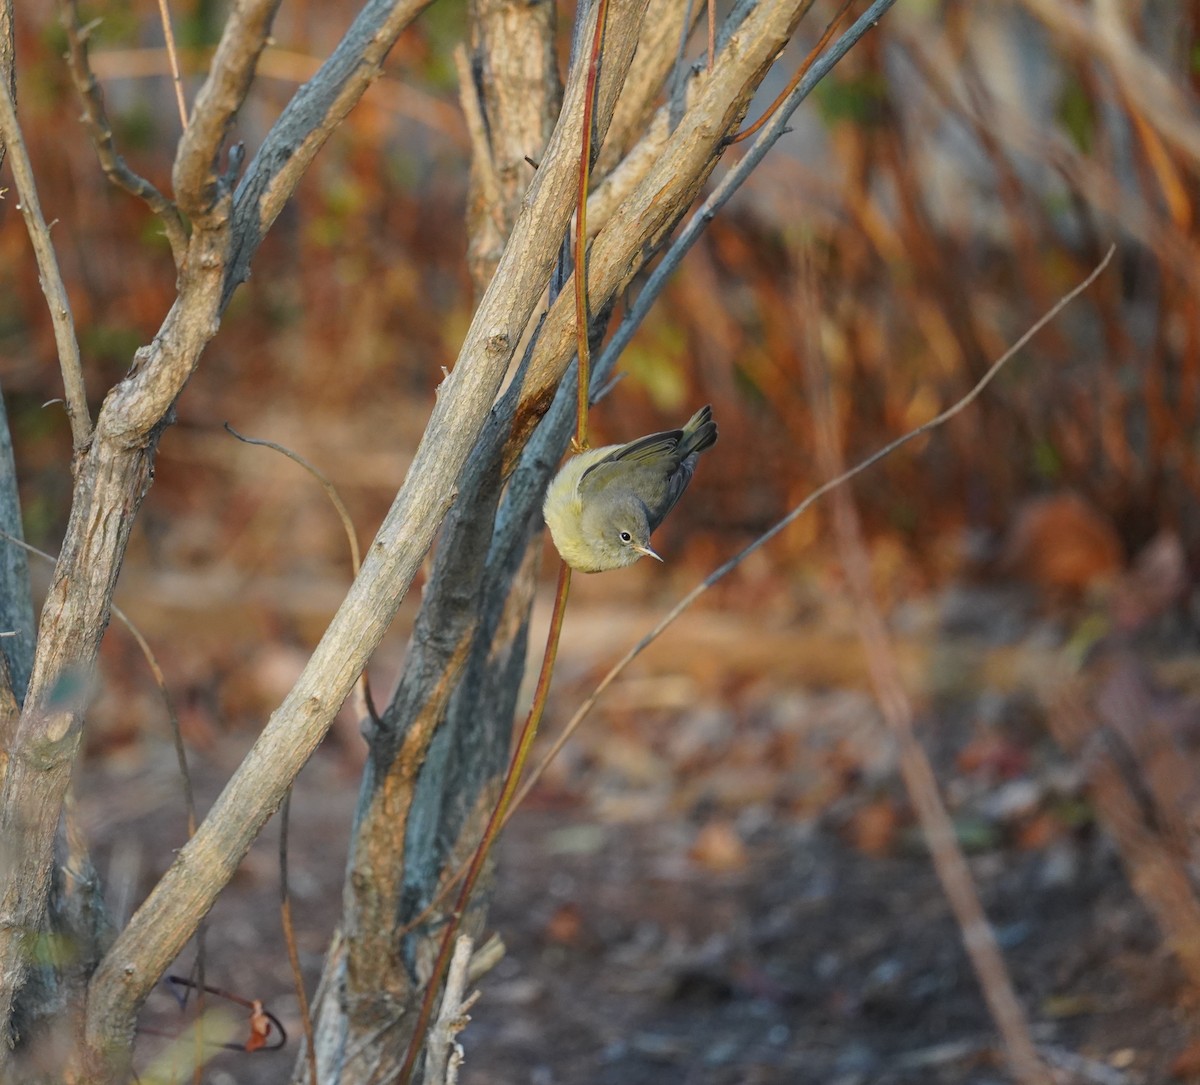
262,1020
95,117
164,15
368,702
48,273
443,1052
327,485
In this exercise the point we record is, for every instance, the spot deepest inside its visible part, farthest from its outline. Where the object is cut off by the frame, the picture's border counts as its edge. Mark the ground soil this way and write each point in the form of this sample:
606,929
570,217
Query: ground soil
721,880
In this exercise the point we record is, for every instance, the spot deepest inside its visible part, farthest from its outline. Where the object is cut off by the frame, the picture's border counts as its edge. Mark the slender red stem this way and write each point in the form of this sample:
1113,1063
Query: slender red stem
809,61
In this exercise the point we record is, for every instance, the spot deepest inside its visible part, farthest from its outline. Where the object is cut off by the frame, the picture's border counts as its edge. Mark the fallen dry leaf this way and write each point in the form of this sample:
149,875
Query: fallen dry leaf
718,848
260,1027
872,828
1064,544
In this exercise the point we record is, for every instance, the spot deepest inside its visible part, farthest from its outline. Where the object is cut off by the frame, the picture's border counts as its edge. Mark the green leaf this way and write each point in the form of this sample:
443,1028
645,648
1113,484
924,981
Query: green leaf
1077,114
859,100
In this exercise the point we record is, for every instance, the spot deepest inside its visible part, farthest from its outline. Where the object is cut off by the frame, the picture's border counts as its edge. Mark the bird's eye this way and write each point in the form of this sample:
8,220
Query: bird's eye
626,537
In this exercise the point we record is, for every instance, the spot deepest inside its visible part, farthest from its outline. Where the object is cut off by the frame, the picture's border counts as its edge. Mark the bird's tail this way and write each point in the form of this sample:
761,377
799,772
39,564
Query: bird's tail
699,433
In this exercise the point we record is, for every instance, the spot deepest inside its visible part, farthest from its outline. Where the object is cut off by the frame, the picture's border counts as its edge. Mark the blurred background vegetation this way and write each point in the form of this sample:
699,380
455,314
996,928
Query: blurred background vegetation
959,171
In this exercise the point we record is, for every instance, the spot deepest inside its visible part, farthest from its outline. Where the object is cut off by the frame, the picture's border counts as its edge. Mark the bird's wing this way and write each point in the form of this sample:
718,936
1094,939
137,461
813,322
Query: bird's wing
676,484
643,450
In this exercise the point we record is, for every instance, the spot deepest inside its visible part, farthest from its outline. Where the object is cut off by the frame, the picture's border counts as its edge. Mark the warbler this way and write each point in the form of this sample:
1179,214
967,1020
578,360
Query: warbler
604,503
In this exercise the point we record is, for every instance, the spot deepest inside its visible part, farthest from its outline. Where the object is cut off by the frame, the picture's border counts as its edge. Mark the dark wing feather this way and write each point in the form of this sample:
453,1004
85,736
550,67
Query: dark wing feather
644,449
676,484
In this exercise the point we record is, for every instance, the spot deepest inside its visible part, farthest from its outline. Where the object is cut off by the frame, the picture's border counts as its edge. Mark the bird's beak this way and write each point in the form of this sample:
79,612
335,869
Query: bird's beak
648,552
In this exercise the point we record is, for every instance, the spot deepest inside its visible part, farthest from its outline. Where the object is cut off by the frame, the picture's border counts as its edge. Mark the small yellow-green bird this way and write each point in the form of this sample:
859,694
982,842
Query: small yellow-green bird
604,503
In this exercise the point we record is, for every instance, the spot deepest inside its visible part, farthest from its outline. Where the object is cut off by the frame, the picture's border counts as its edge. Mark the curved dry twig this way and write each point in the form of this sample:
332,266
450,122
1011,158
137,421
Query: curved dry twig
335,498
95,117
326,483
